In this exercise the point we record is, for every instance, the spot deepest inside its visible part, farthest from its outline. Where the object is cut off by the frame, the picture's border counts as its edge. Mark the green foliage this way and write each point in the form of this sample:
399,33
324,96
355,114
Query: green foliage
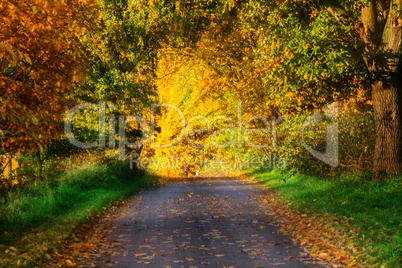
308,51
356,143
120,67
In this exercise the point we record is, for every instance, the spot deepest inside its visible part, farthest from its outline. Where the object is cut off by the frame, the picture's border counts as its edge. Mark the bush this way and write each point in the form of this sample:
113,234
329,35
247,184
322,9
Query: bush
356,143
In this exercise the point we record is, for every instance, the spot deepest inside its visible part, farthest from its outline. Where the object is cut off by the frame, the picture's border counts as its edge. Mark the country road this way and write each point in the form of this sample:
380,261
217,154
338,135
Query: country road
219,222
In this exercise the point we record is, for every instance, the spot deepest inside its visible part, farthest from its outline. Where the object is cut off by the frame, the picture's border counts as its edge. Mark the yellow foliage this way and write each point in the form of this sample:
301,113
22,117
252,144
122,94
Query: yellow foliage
14,165
189,84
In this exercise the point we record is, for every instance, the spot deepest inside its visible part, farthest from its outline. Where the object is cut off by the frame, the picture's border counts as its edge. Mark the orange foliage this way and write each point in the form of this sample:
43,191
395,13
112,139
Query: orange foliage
40,60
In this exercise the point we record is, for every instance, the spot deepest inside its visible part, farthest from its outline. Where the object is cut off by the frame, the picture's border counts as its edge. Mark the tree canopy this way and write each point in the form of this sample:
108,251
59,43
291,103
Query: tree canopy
275,57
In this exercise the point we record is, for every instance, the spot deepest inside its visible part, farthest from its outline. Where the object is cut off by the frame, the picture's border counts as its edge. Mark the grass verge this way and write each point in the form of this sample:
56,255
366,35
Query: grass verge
39,217
374,208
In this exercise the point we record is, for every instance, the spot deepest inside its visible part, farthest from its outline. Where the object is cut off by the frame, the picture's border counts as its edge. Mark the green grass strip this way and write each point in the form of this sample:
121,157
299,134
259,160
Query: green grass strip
373,207
38,217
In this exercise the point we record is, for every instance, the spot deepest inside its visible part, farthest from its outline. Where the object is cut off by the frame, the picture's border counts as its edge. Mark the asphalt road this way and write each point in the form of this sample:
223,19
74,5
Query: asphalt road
220,222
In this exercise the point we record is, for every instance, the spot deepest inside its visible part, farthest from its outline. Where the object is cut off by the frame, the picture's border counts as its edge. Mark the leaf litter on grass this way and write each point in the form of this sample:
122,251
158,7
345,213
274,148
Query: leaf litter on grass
321,235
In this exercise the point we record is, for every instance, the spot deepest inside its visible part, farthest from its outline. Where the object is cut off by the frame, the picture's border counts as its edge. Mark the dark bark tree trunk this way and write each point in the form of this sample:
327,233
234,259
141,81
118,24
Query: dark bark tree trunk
380,47
10,178
39,162
382,53
388,125
5,187
386,93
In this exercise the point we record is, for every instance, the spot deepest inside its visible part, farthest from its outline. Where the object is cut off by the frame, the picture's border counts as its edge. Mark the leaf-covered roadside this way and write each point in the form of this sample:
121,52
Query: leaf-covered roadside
346,221
42,216
81,248
219,222
320,234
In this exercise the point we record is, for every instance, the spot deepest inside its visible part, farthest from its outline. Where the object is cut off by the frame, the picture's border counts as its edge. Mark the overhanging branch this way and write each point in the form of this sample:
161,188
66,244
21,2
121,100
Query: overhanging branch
338,12
344,19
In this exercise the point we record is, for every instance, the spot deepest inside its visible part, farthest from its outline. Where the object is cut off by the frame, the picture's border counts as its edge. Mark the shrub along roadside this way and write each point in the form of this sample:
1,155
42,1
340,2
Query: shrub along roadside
39,217
374,208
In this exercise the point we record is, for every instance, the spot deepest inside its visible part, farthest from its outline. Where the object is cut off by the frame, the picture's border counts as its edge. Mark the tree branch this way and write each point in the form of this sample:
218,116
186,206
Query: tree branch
338,12
392,38
344,19
384,4
370,23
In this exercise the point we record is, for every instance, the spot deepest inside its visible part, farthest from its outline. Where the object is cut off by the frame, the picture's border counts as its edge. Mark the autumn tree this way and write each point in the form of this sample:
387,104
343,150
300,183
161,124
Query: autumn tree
378,33
341,49
335,50
40,60
121,48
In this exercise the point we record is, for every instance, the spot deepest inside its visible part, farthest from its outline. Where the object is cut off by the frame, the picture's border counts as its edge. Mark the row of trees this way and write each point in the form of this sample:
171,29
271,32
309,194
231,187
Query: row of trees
276,57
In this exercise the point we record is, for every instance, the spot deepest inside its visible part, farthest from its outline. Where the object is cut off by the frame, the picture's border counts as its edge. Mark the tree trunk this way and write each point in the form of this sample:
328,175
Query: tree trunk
10,169
39,159
388,125
381,49
386,90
